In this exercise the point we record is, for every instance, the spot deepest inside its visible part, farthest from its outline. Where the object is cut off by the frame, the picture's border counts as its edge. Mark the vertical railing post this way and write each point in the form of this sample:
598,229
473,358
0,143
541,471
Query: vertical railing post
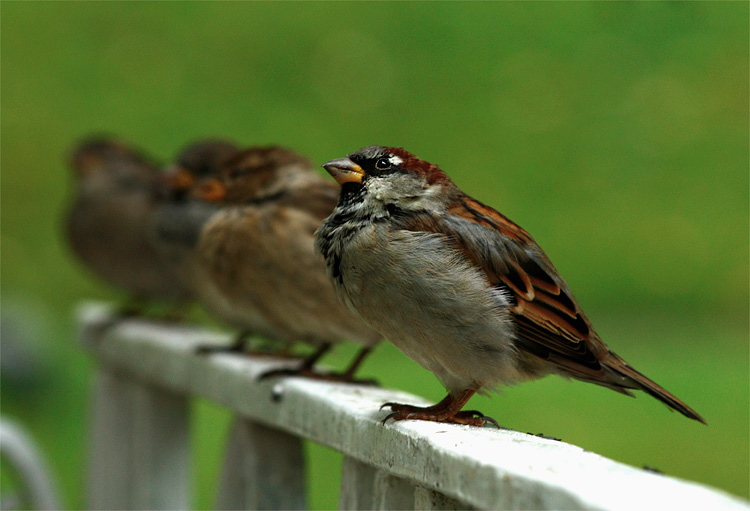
264,468
357,480
365,487
429,500
140,446
392,492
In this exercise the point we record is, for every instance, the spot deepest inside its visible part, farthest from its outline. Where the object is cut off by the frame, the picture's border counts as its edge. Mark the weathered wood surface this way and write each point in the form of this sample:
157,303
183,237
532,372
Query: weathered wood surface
264,468
410,464
140,446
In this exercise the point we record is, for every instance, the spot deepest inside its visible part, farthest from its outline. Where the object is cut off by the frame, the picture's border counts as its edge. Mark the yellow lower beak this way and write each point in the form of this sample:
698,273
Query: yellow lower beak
344,170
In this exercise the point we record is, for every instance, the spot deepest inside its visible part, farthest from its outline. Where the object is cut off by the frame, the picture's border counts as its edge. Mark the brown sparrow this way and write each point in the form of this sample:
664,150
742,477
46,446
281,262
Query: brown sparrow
457,286
257,264
106,223
175,225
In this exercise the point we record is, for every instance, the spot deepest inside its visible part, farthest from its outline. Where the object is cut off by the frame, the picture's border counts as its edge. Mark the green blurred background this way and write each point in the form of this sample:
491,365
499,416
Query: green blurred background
616,133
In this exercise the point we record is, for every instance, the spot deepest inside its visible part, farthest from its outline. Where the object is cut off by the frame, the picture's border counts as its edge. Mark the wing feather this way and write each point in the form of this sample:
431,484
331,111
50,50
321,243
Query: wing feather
550,323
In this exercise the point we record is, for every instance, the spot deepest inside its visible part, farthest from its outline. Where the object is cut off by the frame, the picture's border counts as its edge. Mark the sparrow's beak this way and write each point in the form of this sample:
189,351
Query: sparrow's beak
344,170
178,178
211,190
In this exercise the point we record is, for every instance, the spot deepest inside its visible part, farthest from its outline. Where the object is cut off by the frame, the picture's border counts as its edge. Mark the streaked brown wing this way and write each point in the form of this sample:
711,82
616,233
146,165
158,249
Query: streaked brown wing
550,323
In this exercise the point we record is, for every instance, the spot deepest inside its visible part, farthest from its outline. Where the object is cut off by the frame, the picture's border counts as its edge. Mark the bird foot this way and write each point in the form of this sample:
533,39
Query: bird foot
402,412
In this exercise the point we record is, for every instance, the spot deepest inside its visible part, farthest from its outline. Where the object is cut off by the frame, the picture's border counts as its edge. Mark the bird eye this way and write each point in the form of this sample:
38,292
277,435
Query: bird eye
383,164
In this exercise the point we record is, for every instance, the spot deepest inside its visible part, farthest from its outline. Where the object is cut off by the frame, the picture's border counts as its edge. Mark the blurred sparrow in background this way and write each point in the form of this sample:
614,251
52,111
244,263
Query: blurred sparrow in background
175,225
256,263
199,159
106,225
457,287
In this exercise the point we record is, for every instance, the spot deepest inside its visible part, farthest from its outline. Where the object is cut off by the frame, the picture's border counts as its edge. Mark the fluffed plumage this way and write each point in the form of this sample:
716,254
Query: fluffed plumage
457,286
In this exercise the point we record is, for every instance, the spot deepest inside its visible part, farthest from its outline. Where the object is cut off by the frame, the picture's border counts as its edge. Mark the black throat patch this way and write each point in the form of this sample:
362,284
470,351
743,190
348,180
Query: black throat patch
351,194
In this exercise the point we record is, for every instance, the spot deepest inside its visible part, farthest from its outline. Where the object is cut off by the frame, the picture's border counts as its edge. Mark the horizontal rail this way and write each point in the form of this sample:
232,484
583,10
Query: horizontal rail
408,464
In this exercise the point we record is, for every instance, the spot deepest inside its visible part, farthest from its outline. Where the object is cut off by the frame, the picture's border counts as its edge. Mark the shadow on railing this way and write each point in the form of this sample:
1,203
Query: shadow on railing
148,373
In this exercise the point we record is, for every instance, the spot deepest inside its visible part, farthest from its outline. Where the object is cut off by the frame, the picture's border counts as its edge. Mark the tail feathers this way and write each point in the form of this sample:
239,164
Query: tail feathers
634,379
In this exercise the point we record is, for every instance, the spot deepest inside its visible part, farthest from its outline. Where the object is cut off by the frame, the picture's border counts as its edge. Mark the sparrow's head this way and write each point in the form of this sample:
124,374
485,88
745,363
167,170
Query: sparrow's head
103,155
389,175
252,174
197,161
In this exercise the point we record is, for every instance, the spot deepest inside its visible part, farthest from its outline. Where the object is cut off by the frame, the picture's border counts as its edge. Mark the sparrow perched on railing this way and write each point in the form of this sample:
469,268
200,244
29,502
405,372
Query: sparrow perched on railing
175,225
457,286
257,265
106,225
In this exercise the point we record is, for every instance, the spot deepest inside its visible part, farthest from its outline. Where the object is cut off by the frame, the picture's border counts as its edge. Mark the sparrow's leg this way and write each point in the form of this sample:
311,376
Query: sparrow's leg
348,374
447,410
310,361
308,371
305,369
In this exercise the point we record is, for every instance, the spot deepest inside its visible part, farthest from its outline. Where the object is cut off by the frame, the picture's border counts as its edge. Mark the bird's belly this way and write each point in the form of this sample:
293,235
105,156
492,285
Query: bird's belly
432,305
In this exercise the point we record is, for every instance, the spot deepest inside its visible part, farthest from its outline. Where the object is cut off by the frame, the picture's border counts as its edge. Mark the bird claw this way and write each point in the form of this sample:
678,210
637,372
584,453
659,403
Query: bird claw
490,420
392,405
397,409
408,412
389,416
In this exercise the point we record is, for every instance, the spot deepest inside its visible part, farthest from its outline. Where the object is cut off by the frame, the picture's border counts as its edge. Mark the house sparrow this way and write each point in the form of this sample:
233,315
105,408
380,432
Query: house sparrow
175,225
106,222
457,286
256,260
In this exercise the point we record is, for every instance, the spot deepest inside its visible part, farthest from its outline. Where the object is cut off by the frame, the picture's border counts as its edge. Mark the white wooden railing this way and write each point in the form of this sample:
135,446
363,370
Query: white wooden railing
148,372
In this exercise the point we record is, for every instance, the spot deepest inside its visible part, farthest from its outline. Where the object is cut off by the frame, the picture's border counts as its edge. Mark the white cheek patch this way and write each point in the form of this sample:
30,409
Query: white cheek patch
430,200
433,191
405,192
